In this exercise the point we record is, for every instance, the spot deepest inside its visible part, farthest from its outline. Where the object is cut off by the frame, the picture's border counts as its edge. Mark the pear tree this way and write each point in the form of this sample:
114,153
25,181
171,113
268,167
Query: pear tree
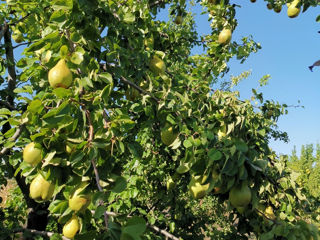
113,129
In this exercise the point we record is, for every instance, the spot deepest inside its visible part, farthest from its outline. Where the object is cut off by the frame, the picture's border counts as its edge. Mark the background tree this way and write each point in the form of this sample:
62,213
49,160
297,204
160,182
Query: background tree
110,126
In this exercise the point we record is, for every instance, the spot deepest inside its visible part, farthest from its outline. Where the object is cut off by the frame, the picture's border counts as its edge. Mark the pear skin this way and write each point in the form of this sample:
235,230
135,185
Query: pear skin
60,75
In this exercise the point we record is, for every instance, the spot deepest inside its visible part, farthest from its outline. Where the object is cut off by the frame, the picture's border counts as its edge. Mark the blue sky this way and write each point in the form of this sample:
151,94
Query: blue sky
289,46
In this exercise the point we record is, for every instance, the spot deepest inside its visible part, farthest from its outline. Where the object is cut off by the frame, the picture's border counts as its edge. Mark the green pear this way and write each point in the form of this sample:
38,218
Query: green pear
196,189
168,135
60,75
157,66
17,36
71,227
32,154
41,189
78,200
240,195
178,20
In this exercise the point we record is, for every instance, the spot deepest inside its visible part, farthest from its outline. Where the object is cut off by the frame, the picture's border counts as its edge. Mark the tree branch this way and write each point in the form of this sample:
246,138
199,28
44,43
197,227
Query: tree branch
13,139
4,29
36,232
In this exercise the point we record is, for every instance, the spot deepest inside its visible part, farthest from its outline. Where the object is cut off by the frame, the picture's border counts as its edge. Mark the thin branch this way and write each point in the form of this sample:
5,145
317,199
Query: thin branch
152,227
21,44
36,232
13,139
96,173
156,3
163,232
7,105
91,130
123,79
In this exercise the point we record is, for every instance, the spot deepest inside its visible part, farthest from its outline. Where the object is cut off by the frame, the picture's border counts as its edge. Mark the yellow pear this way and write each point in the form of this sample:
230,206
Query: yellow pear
178,20
31,154
60,75
17,36
71,227
293,10
196,189
240,196
157,66
79,201
168,135
41,189
225,36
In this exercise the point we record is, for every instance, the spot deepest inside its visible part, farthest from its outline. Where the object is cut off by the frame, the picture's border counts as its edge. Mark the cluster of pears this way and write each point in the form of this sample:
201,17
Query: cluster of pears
40,189
240,196
60,75
79,200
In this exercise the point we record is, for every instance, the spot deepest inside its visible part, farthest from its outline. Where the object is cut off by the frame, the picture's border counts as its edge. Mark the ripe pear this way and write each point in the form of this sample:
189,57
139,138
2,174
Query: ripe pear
60,75
225,36
168,135
71,228
293,10
31,154
17,36
79,201
157,66
196,189
178,20
41,189
240,196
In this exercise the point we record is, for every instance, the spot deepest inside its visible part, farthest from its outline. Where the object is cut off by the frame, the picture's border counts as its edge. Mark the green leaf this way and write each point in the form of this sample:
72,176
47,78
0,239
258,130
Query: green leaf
35,106
62,92
214,154
64,51
129,18
62,4
134,228
241,146
187,143
100,210
120,186
58,16
77,58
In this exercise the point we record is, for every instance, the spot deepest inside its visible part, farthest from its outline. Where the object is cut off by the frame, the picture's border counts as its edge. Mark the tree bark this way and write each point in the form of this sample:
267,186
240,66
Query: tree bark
38,214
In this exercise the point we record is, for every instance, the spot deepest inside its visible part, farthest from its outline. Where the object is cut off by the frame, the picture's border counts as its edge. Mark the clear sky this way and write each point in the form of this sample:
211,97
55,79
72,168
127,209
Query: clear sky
289,46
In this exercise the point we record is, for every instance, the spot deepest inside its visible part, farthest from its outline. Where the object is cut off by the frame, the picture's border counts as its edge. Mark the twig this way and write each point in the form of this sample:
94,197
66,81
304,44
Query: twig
90,138
123,79
156,3
152,227
96,173
13,138
7,105
21,44
42,233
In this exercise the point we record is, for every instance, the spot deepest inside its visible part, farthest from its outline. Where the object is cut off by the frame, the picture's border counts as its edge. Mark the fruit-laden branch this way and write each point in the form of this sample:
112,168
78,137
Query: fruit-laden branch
35,232
123,79
96,173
